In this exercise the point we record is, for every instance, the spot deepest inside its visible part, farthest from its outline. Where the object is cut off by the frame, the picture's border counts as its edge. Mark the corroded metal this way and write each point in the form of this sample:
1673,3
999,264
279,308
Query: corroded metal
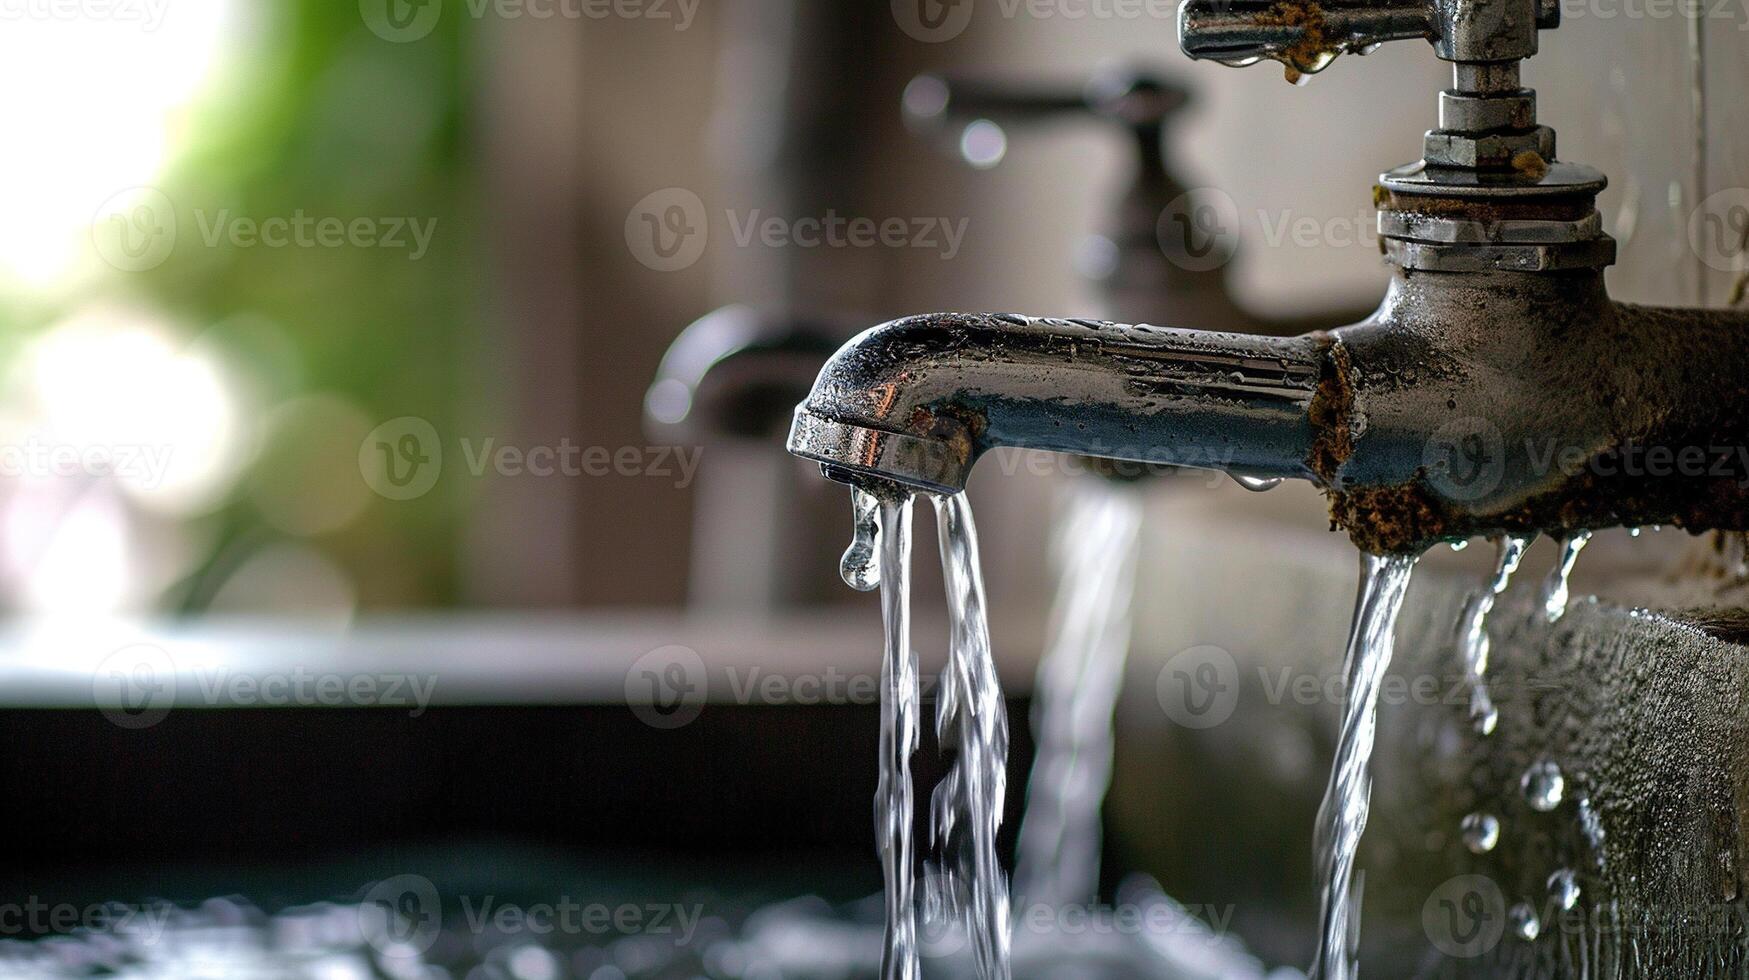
1473,403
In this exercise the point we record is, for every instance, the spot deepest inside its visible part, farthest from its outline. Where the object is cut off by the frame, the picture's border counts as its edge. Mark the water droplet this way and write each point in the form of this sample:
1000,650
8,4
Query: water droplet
1555,589
1524,922
1591,825
1483,715
1257,484
1564,888
1543,786
1481,832
1634,532
860,568
1473,631
1460,545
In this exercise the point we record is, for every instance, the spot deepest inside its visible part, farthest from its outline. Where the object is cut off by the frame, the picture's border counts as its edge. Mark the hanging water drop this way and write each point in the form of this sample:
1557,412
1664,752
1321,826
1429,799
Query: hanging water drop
1556,589
860,568
1484,716
1524,922
1564,888
1473,632
1460,545
1481,832
1543,786
1591,825
1257,484
1634,532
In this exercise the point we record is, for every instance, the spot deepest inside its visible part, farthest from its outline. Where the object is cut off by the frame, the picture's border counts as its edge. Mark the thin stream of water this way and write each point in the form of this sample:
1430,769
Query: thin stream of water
900,704
1342,817
1557,589
972,722
1057,861
1473,631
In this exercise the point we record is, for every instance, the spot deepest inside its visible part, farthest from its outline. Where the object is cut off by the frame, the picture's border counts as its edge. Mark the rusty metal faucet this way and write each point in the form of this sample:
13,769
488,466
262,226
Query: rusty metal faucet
1497,388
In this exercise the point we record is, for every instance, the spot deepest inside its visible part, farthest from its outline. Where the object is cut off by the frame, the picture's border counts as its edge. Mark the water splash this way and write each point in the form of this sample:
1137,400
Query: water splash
900,702
860,567
1591,826
972,720
1563,887
1525,924
1473,632
1342,817
1057,859
1555,589
1543,786
1481,831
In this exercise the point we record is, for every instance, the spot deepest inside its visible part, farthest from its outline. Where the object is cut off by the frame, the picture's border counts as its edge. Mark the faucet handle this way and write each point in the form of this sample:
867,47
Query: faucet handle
1306,36
975,114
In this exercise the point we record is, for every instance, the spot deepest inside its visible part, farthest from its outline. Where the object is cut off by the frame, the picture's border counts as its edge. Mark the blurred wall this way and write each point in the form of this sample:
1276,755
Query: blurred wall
587,118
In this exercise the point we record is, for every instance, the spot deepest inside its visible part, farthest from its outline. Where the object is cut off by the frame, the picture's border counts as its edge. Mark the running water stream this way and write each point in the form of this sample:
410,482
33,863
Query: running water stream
1342,817
885,525
972,722
1057,863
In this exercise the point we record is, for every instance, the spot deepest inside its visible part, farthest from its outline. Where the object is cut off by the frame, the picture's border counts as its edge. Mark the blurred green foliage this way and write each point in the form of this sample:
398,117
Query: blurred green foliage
331,120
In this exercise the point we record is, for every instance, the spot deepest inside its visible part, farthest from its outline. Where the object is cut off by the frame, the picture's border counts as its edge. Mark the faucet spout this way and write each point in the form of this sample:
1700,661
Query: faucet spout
1470,404
917,401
